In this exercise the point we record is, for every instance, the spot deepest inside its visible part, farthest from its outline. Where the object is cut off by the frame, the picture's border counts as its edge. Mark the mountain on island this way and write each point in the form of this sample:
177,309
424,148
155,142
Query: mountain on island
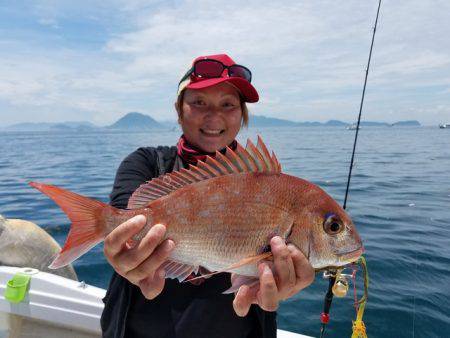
131,122
335,123
47,126
263,121
409,123
135,121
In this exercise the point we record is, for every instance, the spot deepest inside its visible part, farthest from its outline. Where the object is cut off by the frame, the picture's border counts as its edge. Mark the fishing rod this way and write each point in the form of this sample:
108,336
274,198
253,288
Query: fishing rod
337,281
361,108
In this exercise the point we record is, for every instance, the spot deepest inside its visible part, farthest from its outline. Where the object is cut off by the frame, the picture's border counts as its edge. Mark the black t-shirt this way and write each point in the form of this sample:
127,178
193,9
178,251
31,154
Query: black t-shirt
182,310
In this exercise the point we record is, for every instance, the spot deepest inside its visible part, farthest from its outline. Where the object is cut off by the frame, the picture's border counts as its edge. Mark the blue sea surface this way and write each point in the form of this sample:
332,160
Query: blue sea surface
399,201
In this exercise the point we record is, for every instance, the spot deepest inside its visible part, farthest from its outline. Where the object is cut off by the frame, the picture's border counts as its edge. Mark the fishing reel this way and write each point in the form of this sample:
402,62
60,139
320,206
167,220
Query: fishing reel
341,284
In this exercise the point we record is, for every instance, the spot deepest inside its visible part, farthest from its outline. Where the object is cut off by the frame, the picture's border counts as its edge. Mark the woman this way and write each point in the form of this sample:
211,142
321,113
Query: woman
211,107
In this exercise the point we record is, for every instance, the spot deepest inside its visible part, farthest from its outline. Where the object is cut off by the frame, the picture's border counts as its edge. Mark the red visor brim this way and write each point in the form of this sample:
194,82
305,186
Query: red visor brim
247,90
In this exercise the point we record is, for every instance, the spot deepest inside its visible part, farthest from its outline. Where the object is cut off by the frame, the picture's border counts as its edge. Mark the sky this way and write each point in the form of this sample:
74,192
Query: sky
97,60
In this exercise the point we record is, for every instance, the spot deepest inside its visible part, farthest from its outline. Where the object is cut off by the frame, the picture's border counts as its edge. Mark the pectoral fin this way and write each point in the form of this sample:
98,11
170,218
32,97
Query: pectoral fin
242,262
240,280
178,270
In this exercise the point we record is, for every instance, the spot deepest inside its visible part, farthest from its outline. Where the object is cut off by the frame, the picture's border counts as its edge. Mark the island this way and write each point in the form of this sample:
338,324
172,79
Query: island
135,121
138,122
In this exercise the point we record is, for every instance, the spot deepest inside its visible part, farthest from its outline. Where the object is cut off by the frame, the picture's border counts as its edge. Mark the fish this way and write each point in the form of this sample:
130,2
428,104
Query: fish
221,214
25,244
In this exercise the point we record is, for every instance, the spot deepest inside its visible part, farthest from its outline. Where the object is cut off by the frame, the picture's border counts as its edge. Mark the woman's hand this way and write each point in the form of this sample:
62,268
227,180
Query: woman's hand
139,263
289,273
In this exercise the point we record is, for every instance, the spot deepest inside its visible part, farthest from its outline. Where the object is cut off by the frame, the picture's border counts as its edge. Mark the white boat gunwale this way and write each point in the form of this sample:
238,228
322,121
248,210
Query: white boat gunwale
64,302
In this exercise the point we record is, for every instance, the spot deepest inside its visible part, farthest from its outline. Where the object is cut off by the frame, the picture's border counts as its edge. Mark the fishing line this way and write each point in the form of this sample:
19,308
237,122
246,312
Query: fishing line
358,325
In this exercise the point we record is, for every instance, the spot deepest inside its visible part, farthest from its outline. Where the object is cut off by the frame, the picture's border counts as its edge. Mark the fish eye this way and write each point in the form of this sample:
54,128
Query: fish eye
332,225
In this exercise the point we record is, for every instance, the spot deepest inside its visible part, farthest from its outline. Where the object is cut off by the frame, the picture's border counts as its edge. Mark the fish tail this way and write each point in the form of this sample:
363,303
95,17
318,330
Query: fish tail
88,226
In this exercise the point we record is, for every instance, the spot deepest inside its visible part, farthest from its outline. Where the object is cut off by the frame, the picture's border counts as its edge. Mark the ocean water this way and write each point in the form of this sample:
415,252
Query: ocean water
399,201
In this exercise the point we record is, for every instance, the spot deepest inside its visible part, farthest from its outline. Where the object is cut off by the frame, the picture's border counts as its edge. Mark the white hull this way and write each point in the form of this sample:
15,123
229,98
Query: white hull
56,307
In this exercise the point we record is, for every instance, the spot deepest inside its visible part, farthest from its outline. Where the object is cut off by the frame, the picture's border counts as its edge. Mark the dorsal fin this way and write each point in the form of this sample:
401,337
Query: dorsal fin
251,159
265,154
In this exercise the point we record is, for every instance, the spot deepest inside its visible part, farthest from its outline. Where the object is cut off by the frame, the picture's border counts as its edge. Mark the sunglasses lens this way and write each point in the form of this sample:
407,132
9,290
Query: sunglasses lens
208,69
240,71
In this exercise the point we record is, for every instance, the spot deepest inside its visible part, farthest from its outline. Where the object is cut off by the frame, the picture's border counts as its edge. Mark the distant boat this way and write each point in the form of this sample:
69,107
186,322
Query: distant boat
353,127
444,125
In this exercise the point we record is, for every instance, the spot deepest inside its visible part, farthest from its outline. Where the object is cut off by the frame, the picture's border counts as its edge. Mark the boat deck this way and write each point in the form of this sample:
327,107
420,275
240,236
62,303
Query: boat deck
55,306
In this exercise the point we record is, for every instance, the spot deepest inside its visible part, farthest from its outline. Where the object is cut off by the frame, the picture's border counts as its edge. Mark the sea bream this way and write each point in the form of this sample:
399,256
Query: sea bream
221,215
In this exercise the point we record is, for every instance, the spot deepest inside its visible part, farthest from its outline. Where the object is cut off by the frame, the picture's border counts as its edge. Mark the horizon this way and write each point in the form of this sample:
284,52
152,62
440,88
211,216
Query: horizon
68,62
175,121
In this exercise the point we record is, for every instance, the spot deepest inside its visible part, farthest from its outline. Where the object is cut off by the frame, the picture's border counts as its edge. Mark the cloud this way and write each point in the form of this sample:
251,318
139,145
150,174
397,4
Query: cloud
308,58
49,22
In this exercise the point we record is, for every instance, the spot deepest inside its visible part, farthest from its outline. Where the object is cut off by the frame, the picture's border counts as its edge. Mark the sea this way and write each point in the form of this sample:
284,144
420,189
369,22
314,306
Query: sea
399,200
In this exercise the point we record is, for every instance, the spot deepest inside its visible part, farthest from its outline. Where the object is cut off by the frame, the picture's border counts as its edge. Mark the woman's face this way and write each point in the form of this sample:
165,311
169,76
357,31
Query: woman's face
211,117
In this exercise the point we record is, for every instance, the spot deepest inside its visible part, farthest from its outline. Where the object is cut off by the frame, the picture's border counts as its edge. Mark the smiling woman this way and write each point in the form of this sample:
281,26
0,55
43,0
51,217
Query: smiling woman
210,117
140,302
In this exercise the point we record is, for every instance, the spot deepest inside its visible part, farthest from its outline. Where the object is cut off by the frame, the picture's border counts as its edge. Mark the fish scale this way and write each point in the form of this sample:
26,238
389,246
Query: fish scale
221,214
241,229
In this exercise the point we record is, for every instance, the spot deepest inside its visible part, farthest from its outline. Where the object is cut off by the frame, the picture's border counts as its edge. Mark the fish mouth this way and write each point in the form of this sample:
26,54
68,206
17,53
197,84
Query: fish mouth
350,256
340,259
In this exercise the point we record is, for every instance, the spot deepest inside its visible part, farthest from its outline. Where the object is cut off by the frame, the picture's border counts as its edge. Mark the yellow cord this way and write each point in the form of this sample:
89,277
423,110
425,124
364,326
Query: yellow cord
359,329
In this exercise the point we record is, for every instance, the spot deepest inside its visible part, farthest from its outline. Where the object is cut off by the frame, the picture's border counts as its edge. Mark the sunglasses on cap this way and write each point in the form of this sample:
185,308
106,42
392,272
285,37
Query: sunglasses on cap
209,68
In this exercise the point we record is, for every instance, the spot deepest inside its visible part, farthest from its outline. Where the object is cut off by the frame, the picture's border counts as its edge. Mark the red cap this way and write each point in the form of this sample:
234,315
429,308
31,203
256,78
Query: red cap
247,91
